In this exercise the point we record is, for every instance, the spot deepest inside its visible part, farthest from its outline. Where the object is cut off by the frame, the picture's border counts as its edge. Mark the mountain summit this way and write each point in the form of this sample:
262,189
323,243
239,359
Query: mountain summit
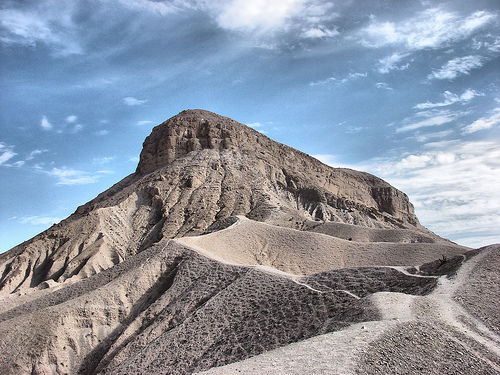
227,252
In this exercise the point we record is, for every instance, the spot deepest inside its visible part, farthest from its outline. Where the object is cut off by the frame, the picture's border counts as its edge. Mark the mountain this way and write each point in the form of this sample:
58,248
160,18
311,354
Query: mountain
226,248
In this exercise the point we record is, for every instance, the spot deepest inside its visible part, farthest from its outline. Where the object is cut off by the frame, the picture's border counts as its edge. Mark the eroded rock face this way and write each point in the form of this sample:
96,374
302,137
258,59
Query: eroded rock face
196,170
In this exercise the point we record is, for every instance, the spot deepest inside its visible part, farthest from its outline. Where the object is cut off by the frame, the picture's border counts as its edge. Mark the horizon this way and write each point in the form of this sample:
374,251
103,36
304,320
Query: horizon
407,91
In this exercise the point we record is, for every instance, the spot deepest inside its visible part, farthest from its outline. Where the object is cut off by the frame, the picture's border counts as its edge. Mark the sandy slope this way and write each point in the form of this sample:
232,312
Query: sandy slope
430,334
250,242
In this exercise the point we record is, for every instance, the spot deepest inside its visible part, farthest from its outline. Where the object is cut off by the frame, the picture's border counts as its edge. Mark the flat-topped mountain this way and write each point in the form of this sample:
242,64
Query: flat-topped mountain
226,248
197,171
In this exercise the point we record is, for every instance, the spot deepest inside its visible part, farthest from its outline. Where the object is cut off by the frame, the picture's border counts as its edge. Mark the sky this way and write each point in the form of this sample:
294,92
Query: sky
406,90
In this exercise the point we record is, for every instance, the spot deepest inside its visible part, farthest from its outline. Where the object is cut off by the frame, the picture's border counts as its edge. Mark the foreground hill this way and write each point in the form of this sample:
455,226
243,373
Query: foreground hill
230,253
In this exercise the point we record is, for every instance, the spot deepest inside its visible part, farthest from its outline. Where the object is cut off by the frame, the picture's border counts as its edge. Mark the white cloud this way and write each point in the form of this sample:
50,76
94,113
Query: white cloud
72,176
45,124
431,118
35,152
39,220
129,100
427,137
71,119
457,66
102,132
253,16
483,123
49,23
450,98
453,186
134,159
431,28
155,7
317,32
391,63
6,153
383,85
255,125
144,122
331,160
329,80
323,82
103,160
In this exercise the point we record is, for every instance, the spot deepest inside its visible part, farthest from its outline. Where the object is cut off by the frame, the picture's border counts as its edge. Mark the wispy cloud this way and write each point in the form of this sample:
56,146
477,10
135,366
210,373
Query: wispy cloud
6,153
317,32
35,152
102,132
431,28
72,176
144,122
68,176
434,135
130,100
156,7
255,125
450,98
457,66
391,62
39,220
103,160
333,80
429,118
49,23
383,85
45,123
71,119
482,123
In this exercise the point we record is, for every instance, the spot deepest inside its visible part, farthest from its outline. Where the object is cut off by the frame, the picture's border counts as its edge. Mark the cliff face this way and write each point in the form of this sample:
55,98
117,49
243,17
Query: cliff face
197,170
197,130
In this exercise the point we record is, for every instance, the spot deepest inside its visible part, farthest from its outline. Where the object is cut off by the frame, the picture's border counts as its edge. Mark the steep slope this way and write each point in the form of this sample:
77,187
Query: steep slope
196,171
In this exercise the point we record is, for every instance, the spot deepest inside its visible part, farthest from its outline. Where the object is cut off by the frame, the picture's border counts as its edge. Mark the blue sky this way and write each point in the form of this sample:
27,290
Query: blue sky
407,90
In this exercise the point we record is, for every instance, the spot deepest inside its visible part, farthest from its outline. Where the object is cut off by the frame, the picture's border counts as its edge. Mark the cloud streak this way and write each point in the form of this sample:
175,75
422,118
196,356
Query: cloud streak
6,153
457,67
131,101
431,28
482,123
450,98
49,23
39,220
430,118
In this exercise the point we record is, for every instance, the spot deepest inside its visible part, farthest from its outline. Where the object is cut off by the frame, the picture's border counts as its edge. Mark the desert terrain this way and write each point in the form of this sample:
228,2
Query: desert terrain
229,253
